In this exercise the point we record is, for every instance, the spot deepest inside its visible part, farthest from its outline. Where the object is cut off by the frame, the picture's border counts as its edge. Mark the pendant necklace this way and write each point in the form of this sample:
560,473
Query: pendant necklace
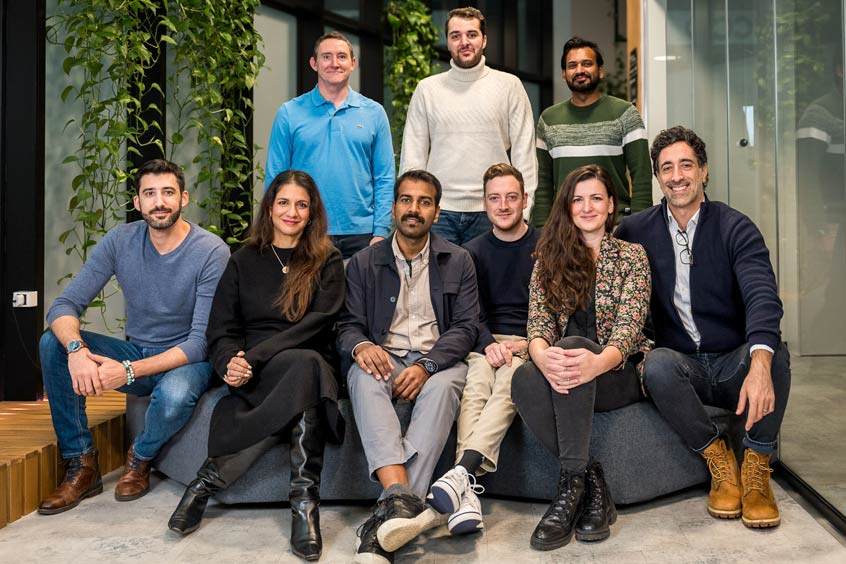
284,266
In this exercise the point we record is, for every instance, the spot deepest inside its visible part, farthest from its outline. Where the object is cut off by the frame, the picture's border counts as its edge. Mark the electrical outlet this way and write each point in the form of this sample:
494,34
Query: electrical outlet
25,298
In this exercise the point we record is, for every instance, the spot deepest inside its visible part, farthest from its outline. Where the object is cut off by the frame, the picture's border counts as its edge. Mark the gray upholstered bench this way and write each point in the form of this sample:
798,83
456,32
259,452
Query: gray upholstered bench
643,458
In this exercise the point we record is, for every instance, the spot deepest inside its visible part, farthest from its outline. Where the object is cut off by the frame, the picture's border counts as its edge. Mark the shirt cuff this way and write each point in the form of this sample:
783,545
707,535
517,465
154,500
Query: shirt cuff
352,353
761,347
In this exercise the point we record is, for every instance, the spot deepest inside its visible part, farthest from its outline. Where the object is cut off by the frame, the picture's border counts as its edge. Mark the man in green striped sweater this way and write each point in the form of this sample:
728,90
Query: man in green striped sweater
591,128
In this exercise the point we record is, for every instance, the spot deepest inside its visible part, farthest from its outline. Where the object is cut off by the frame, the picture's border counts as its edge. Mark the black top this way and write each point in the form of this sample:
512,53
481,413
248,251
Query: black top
503,270
244,315
583,321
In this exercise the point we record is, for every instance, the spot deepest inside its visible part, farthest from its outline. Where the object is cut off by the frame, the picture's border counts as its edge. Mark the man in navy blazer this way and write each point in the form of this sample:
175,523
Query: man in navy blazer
409,321
716,314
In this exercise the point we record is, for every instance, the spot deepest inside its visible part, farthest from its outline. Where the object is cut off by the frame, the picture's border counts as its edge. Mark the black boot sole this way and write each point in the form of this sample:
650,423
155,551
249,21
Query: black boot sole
599,535
181,531
551,545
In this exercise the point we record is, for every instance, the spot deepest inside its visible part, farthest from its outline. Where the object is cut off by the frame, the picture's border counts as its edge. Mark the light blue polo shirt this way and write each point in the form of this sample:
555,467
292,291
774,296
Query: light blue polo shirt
348,152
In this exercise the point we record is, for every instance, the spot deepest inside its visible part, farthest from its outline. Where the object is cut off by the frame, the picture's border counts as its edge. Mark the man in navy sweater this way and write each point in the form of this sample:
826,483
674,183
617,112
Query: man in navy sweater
716,313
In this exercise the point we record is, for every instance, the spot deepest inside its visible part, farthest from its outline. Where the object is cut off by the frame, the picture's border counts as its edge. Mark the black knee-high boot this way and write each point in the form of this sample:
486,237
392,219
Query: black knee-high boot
307,444
215,474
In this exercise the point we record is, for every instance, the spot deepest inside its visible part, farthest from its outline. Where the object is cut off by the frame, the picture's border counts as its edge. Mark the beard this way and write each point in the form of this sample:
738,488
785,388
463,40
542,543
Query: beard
591,84
165,223
468,64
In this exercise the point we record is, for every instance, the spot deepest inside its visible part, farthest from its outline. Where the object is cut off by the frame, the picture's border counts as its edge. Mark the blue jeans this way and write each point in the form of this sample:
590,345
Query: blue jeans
461,227
174,394
681,384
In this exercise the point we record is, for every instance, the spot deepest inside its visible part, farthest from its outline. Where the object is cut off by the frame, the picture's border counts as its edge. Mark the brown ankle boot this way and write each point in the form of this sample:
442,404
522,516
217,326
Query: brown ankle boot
724,497
135,480
759,505
82,479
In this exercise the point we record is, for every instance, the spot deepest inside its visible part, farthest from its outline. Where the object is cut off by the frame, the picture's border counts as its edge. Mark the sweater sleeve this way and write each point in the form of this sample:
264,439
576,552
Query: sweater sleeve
542,323
279,148
415,136
756,280
93,275
521,133
636,152
326,302
544,193
225,332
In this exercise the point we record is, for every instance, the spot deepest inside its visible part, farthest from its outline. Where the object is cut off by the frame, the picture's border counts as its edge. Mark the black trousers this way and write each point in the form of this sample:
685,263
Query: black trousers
563,422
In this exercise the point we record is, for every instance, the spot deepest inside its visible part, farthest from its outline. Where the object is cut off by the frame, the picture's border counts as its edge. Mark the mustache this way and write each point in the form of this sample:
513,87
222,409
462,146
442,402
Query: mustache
161,209
418,217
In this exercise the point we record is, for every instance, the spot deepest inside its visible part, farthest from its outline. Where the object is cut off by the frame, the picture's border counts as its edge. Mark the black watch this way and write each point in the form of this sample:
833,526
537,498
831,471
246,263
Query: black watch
428,365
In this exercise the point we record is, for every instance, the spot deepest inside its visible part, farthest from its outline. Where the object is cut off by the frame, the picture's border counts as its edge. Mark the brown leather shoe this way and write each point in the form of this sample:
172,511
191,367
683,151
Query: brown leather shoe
82,479
759,505
135,480
724,497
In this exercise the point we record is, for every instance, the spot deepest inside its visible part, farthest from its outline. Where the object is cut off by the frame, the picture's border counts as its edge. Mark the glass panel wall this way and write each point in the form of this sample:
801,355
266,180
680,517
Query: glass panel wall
762,83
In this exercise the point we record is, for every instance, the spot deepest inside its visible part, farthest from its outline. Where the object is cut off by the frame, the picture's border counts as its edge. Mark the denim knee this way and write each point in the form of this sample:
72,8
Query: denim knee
660,370
180,389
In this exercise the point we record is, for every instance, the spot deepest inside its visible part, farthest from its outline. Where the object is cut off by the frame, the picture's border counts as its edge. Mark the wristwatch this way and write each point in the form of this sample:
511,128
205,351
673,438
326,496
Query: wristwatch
76,345
428,365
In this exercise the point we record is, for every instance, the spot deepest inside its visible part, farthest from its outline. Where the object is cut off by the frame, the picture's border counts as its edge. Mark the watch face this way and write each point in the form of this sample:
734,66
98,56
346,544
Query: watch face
74,346
430,366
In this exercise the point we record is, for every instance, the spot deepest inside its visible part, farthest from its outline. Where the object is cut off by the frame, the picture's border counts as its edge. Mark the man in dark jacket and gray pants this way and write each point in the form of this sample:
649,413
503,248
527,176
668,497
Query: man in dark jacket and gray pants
409,321
716,312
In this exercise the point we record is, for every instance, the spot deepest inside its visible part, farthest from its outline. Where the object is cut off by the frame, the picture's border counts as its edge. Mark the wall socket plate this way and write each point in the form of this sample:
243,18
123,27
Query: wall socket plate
25,298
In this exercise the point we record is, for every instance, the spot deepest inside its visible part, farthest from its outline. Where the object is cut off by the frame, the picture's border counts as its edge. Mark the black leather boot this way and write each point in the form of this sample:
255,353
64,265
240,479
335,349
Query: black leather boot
557,524
599,513
188,514
306,463
216,474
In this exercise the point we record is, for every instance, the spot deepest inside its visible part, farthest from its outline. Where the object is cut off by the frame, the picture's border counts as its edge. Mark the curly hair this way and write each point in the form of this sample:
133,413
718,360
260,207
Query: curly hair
676,134
565,266
468,13
312,250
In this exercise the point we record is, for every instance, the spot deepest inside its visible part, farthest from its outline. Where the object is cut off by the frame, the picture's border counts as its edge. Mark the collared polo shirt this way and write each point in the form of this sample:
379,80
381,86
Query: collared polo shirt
347,150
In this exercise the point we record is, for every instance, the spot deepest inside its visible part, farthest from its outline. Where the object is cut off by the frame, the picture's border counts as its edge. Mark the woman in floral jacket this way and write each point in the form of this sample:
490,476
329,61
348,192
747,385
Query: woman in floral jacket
588,300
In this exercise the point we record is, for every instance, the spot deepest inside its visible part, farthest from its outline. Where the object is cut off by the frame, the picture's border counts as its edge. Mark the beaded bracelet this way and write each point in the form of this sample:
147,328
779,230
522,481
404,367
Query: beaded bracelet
130,372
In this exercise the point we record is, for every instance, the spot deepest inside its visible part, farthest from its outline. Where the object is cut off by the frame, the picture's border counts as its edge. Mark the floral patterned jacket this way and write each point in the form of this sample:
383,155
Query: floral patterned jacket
623,286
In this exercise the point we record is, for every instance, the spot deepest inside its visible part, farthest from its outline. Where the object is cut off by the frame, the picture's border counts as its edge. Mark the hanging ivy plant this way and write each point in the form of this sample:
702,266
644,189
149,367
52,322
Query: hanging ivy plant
409,59
110,47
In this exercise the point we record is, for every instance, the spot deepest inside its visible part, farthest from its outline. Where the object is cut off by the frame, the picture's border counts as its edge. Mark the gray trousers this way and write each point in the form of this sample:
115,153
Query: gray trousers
431,420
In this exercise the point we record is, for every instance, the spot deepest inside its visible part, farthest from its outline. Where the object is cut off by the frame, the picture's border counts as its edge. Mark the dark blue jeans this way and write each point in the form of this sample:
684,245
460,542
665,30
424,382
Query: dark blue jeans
682,384
349,245
174,394
461,227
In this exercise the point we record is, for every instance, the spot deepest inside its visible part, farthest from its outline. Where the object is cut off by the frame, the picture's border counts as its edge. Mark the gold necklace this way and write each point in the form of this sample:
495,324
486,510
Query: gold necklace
284,266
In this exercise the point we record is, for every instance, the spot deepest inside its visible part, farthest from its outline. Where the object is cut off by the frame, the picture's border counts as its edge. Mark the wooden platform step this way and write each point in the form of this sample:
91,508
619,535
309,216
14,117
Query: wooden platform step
30,464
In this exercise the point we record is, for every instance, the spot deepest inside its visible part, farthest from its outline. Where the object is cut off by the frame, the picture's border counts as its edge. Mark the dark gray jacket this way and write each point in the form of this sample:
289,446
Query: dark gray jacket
373,285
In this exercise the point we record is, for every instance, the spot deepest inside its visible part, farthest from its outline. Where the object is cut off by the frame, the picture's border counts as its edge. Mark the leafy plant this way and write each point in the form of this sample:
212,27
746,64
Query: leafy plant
111,45
409,58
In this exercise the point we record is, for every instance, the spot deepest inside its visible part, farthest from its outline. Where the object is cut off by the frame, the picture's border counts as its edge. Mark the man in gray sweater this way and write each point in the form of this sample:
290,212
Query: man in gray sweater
168,270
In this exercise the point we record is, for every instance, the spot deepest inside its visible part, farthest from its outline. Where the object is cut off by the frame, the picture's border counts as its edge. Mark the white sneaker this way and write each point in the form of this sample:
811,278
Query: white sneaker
468,518
393,534
447,491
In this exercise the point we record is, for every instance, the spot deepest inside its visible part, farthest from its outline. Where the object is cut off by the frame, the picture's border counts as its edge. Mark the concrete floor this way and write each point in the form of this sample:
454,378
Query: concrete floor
675,529
814,425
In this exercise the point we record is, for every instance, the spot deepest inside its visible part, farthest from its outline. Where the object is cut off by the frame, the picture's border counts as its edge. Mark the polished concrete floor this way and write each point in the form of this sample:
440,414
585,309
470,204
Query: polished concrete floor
814,426
674,530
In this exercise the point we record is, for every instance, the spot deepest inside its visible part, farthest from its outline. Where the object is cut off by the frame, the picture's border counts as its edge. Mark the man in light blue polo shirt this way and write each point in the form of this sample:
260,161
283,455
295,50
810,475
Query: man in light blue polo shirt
343,140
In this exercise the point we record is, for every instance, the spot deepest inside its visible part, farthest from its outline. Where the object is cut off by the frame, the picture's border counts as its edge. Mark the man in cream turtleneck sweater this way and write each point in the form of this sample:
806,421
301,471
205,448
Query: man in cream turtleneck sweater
462,121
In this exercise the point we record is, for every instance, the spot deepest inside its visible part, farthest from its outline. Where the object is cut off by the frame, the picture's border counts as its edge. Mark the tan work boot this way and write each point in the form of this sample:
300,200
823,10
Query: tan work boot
759,505
724,497
135,480
82,479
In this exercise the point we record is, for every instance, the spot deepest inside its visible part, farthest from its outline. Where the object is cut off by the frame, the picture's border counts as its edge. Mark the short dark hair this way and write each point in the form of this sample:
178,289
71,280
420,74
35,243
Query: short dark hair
160,166
577,42
468,13
333,35
676,134
501,169
422,176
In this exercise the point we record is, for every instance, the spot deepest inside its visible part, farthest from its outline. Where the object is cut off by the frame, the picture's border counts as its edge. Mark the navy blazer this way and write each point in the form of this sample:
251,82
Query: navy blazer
373,285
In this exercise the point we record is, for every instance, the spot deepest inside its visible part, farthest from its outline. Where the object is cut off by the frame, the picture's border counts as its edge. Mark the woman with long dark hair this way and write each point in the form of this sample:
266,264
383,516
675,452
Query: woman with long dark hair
588,300
270,338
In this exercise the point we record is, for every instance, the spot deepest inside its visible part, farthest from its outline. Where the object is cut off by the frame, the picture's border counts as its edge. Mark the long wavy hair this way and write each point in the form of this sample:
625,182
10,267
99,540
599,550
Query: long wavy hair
312,250
565,266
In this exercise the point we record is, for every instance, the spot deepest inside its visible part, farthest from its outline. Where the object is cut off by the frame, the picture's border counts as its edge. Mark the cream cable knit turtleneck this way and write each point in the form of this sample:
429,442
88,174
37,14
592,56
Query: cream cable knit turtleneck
462,121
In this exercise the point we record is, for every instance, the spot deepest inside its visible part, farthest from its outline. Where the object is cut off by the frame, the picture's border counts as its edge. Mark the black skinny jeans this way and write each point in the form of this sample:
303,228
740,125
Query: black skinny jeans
563,422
